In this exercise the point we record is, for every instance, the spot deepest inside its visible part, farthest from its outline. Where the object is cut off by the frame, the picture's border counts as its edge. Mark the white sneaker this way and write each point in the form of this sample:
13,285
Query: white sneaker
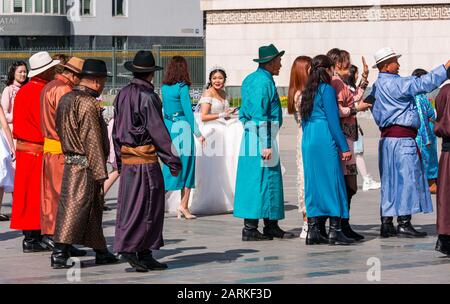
370,184
304,230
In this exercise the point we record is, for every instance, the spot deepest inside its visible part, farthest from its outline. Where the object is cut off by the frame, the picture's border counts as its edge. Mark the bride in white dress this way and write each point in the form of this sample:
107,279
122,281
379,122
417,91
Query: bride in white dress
214,193
216,161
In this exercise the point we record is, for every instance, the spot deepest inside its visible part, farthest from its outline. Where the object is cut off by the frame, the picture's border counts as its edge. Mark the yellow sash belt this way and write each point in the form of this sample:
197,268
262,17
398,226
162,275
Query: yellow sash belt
52,146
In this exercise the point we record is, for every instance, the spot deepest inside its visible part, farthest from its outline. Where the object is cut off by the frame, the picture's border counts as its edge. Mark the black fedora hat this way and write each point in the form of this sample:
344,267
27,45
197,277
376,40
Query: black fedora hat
143,62
94,67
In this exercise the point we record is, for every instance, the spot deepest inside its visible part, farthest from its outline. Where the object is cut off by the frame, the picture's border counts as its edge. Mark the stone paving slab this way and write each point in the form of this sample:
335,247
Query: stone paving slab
209,249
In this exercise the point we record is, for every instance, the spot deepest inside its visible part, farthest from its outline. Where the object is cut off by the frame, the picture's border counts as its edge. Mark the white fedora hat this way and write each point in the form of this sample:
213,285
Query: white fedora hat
384,54
41,62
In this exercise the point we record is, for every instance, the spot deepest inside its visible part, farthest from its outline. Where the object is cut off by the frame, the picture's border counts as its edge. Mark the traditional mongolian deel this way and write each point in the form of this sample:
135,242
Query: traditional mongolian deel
53,161
84,138
349,124
26,208
181,124
140,138
404,188
442,129
259,183
426,140
325,190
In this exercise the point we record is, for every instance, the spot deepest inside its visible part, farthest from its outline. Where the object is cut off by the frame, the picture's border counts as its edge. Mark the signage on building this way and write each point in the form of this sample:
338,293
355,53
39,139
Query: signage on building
7,22
34,26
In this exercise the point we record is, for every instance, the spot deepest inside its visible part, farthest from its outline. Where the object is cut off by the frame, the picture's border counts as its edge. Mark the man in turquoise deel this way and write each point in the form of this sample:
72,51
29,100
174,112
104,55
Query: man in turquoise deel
259,184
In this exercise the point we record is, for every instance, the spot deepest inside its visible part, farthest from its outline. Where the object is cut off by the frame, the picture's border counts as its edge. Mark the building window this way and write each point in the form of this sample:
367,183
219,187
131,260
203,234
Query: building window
86,8
62,7
55,6
38,6
28,6
18,6
119,7
48,6
6,7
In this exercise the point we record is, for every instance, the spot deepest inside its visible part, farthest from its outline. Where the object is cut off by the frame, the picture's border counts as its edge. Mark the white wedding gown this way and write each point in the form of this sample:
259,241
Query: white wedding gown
216,165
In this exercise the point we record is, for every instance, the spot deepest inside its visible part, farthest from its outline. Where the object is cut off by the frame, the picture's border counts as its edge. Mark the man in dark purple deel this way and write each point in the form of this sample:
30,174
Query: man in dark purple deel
140,140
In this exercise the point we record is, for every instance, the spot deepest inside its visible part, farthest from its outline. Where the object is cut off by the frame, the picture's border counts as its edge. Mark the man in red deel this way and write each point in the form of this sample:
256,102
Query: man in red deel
26,208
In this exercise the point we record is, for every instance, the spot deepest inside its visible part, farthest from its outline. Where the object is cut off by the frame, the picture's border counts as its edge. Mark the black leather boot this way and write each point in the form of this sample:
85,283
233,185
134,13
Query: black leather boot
335,236
322,221
387,228
251,233
32,242
146,258
405,229
60,257
271,229
103,257
314,237
48,241
132,259
443,244
75,252
349,232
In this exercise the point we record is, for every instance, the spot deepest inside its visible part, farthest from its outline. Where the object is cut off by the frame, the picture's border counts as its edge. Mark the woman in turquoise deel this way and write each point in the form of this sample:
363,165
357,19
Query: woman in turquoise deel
259,183
180,123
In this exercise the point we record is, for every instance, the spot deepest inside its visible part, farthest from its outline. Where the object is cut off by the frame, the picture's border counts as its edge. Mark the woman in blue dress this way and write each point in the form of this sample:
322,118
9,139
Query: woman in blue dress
426,139
180,122
325,191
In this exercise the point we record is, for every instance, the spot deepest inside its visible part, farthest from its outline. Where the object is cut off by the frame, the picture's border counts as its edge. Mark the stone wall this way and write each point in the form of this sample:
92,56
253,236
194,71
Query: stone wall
419,31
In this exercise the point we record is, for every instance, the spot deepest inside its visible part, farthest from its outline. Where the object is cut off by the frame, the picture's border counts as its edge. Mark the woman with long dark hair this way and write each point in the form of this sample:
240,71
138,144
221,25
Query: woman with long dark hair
323,139
17,77
299,76
180,122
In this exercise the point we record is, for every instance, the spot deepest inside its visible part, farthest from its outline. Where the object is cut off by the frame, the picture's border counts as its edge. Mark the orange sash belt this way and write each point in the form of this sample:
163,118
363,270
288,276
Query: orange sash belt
29,147
139,155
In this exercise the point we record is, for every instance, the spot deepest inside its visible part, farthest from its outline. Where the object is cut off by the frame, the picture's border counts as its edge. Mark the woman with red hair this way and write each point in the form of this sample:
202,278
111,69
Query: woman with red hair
299,76
180,122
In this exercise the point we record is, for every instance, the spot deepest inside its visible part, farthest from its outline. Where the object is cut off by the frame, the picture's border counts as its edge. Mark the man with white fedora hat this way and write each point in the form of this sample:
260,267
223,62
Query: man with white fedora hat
29,152
53,159
404,186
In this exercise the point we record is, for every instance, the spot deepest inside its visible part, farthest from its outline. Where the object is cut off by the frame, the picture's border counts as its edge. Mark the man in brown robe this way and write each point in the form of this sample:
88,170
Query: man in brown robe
442,129
140,139
84,138
53,161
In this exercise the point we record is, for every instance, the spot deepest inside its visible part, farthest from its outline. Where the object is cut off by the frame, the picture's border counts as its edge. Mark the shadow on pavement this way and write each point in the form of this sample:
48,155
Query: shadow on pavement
209,257
10,235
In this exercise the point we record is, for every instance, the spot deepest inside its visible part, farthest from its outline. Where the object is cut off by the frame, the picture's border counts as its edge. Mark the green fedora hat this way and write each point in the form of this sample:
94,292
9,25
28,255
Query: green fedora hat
267,53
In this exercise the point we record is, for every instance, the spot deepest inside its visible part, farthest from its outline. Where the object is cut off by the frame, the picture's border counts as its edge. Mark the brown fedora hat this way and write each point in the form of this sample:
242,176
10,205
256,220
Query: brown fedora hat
74,64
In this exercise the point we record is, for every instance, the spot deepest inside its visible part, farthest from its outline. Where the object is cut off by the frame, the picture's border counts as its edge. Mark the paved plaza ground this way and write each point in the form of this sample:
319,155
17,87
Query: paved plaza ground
209,249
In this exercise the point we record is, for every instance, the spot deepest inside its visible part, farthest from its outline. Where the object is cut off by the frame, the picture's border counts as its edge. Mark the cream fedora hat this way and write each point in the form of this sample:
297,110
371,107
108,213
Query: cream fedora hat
41,62
384,54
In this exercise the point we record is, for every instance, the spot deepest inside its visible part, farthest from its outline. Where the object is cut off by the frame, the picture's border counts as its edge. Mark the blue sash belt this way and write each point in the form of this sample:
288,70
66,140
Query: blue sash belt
174,116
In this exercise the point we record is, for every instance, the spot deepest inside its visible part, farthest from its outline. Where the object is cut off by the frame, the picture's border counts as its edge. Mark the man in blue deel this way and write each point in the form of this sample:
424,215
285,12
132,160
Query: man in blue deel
404,186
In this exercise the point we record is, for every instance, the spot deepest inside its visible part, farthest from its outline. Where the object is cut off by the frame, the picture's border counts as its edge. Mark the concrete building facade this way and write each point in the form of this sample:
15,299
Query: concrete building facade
99,23
235,29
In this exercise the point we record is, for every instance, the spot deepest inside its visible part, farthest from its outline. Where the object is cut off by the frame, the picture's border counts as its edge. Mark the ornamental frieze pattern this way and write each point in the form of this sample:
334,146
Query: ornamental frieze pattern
331,14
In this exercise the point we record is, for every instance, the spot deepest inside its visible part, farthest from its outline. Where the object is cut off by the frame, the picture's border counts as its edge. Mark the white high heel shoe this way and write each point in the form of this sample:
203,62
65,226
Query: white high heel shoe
185,213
